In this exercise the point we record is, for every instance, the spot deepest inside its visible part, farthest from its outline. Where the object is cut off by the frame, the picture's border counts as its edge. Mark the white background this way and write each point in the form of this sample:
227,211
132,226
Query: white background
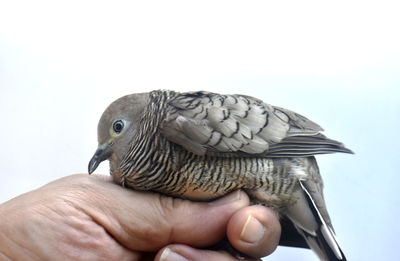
338,63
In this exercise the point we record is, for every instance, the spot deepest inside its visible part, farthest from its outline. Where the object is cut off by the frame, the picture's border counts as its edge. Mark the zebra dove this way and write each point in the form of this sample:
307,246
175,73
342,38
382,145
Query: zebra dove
203,145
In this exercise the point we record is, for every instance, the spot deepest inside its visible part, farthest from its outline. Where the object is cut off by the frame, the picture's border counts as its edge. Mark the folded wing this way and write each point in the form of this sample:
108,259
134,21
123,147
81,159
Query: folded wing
210,123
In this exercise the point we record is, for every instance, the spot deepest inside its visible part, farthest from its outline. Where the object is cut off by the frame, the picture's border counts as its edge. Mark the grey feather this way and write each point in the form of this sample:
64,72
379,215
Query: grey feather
240,124
203,145
323,240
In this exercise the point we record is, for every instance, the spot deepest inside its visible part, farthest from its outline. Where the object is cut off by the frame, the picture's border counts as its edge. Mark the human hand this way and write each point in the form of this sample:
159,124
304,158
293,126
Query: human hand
83,217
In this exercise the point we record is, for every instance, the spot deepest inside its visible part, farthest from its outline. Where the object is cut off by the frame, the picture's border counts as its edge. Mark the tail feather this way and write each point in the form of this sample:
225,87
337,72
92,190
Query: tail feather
323,241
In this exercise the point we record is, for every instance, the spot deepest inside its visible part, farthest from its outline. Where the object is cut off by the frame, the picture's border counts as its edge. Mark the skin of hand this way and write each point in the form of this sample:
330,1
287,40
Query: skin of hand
83,217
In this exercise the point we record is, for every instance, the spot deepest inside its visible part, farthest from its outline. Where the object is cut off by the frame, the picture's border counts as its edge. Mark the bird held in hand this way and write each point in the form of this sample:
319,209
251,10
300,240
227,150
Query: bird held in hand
203,145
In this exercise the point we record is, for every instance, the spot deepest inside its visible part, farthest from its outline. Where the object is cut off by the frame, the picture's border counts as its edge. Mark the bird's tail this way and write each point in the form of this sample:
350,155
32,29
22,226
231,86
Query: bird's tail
322,246
313,226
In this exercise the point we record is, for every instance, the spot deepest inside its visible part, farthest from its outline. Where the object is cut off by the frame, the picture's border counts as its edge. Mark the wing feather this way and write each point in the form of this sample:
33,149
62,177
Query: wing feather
210,123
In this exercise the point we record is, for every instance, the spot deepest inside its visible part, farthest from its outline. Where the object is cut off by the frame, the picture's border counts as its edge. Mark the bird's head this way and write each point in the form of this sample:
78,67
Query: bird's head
116,129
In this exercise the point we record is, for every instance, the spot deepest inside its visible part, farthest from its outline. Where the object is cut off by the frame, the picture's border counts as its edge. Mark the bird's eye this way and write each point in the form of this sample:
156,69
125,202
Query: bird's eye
118,126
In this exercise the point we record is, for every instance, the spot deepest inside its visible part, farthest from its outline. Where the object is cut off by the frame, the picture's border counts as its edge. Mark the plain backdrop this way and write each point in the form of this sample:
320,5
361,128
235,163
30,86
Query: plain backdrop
338,63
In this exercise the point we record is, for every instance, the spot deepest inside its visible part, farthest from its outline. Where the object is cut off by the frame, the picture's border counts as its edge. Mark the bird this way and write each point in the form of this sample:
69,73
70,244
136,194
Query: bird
202,145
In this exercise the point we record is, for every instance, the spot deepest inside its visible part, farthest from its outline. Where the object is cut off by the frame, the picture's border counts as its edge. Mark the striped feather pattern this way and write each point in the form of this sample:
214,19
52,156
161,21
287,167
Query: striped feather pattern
203,145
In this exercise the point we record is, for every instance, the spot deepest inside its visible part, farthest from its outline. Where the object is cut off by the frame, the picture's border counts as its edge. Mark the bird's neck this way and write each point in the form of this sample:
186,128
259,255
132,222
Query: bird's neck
148,148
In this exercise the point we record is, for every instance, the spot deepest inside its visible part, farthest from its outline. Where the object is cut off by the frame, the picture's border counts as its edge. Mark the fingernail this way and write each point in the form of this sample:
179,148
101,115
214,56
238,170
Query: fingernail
234,196
169,255
252,230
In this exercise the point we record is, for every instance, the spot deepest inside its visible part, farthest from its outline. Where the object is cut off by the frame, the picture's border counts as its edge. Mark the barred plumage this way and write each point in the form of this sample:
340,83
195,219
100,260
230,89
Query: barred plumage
203,145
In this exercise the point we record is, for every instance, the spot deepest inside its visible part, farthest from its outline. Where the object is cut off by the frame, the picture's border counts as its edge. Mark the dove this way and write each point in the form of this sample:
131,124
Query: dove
202,145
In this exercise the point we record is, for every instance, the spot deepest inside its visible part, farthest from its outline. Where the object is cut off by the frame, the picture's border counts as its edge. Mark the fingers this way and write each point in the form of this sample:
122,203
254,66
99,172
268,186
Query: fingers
254,230
201,224
147,221
178,252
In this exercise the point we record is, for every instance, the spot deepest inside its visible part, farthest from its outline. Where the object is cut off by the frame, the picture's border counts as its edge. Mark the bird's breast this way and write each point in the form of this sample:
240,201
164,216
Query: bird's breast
204,178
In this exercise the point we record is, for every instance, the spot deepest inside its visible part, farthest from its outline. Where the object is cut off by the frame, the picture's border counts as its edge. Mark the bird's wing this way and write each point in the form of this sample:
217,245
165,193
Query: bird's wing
210,123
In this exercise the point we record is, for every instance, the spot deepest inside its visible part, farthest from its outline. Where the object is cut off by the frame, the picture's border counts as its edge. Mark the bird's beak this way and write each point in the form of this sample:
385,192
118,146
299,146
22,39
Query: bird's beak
102,153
